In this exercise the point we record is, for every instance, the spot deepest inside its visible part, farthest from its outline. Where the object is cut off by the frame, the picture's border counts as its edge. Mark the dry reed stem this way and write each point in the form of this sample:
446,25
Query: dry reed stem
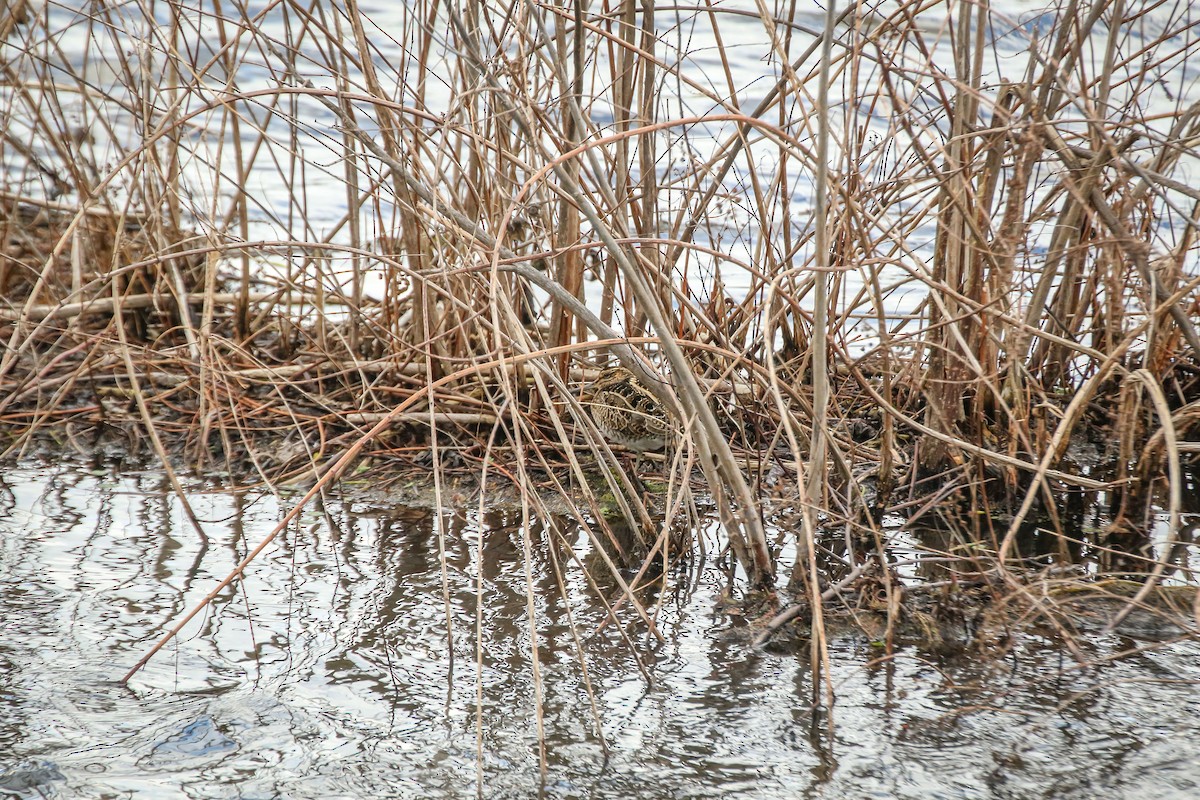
1174,489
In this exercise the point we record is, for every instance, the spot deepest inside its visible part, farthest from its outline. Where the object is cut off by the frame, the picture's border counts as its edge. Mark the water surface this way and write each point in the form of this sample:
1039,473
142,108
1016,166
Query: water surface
357,662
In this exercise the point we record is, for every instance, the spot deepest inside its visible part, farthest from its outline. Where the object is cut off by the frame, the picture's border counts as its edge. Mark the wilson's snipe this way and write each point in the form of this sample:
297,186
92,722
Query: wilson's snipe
625,411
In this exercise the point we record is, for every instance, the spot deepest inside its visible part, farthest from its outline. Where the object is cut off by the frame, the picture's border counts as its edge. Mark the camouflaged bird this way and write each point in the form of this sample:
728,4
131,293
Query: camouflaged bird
625,411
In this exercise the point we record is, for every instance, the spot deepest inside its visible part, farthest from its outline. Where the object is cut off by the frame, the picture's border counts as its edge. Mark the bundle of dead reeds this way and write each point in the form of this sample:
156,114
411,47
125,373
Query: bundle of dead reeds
273,243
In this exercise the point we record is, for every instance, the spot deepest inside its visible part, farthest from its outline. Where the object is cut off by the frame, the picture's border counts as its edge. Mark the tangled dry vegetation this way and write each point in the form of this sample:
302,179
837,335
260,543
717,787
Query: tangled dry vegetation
518,199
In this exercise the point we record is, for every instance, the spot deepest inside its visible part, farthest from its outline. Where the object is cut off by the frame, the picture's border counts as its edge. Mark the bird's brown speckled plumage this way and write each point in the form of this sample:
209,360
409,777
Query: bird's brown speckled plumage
625,411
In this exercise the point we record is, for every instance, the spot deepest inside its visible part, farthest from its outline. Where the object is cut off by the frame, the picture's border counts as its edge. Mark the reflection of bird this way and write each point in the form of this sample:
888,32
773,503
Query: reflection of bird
625,411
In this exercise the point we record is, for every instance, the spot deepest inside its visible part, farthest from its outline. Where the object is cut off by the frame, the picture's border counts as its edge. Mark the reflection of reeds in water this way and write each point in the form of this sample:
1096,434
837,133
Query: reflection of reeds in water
1006,258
